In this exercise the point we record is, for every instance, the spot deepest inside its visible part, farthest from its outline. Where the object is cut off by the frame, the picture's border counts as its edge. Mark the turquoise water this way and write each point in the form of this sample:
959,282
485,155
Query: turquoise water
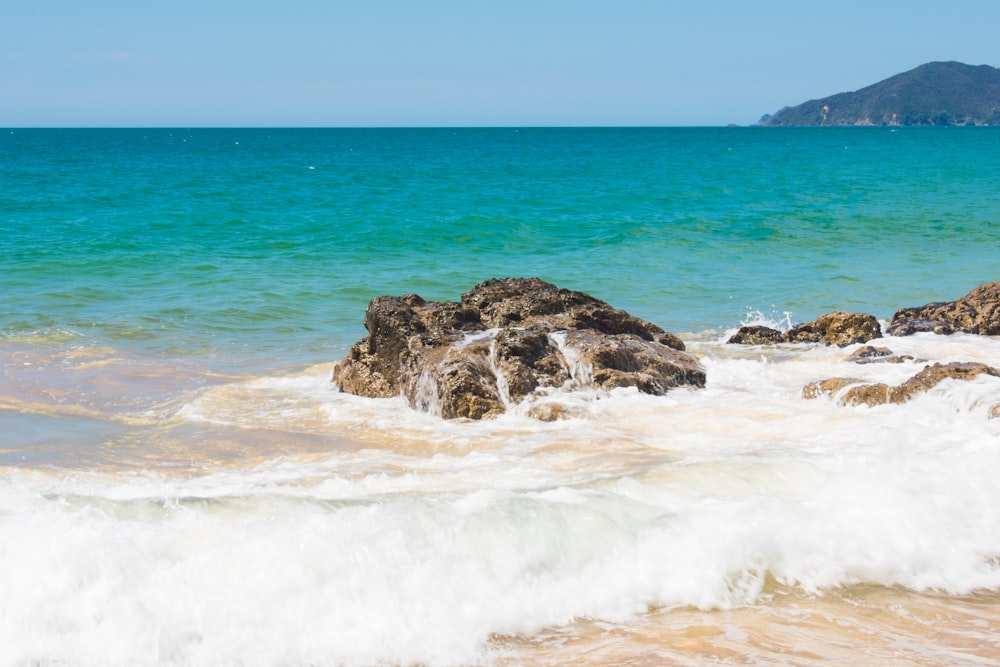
267,244
181,484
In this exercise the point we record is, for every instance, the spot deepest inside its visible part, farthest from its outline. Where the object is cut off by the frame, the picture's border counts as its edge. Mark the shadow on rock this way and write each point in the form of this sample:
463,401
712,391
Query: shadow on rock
504,340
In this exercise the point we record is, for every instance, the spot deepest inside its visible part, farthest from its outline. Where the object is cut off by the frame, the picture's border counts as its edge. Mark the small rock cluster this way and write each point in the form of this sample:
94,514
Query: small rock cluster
507,338
978,312
880,393
838,328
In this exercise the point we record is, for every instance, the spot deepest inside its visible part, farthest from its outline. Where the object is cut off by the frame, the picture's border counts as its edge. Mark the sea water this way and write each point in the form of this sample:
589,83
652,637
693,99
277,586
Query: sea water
182,484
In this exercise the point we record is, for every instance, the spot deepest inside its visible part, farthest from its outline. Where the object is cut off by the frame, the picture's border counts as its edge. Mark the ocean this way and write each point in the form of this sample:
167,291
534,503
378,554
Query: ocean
181,483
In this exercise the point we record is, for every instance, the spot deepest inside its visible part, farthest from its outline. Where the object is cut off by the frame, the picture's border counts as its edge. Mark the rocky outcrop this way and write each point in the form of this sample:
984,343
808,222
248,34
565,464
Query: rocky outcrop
869,354
505,339
880,393
978,312
756,335
935,373
829,387
837,328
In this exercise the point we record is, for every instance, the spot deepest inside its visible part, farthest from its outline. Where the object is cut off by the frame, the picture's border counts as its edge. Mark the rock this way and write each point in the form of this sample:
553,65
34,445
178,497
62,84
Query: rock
995,411
880,393
829,387
868,394
838,328
504,340
623,360
978,312
935,373
755,335
908,327
548,412
869,354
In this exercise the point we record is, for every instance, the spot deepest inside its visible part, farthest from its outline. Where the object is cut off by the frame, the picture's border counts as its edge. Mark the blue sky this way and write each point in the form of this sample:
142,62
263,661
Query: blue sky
187,63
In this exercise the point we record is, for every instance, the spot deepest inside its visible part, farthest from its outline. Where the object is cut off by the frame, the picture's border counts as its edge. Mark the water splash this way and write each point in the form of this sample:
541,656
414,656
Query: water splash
467,339
581,373
427,399
503,388
782,322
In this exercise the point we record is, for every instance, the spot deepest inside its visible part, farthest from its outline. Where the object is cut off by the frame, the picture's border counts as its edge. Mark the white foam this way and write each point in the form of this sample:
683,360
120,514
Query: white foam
427,398
581,373
430,537
781,321
473,338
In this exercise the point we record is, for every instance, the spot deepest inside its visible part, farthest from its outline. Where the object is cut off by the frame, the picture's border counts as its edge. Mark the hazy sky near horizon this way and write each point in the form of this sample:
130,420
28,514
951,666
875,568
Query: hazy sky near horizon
188,63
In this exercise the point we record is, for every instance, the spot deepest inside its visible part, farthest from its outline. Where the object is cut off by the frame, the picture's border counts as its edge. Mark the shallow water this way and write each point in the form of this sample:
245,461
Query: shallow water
264,246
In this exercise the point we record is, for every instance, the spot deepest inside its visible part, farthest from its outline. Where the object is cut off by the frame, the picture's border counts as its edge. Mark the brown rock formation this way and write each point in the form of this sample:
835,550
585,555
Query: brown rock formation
935,373
978,312
756,335
503,340
838,328
869,354
869,394
829,387
879,393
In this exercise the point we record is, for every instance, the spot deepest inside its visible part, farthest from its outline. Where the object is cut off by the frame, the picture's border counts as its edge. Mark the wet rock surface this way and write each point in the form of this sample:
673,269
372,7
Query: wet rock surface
978,312
870,354
880,393
505,339
756,335
837,328
829,387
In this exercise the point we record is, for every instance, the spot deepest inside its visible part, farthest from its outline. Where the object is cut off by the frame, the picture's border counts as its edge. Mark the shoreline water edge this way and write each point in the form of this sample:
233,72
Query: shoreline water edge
277,520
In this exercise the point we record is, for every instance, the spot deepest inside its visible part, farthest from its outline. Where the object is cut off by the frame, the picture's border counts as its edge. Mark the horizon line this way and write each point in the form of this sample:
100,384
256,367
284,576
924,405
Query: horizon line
12,128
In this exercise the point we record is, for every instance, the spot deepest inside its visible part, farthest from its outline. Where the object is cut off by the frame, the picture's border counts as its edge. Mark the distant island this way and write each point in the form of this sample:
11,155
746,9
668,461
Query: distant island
937,93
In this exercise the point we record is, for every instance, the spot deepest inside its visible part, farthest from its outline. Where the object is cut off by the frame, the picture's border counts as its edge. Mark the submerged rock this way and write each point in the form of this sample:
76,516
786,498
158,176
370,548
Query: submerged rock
935,373
880,393
978,312
830,387
838,328
505,339
869,354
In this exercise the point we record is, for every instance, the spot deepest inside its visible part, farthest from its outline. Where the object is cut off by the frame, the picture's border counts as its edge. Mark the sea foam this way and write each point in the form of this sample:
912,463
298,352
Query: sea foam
422,540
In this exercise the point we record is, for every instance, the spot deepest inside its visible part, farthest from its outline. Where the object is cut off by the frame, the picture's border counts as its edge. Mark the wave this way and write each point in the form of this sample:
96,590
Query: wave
345,530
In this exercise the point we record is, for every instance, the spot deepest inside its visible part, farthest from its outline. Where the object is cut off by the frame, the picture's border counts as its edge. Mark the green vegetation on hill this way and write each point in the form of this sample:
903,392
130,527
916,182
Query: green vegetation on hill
938,93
